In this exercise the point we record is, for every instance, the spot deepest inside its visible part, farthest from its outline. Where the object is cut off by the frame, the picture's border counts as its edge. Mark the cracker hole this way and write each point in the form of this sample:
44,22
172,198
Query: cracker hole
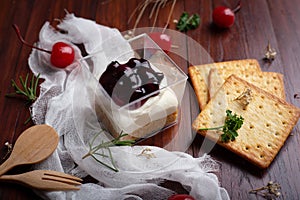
274,77
251,126
238,91
275,88
260,106
263,97
269,145
247,76
268,125
235,83
284,123
268,82
219,103
247,148
276,104
261,156
290,112
258,146
260,76
280,113
277,133
227,93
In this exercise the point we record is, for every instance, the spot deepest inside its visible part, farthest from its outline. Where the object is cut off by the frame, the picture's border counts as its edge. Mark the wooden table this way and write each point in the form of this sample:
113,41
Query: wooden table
257,23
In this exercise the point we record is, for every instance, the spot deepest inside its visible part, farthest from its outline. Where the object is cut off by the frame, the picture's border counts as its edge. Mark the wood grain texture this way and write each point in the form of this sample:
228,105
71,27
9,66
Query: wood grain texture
258,22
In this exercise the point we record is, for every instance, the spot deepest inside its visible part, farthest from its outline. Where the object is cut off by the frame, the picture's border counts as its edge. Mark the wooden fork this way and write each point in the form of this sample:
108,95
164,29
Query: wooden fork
45,180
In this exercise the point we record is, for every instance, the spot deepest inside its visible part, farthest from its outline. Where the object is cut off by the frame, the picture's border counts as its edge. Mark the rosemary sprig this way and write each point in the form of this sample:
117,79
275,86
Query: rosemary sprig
29,90
230,127
99,149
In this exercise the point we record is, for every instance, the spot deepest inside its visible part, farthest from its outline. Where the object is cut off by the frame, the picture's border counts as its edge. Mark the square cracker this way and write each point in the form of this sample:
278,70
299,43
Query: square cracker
199,75
268,121
269,81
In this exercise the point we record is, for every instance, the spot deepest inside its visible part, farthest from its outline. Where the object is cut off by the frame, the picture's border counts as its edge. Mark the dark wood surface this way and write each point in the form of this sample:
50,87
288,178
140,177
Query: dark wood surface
258,22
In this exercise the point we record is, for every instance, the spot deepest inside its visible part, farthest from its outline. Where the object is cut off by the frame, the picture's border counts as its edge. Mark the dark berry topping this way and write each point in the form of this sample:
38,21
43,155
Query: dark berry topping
128,82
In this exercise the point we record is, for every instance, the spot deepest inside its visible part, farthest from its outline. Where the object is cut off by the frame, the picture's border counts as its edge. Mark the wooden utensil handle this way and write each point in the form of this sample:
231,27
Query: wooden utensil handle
6,166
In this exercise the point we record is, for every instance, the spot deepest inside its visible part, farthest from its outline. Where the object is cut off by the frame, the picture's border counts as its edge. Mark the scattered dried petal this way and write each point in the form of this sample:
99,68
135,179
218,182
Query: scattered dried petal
245,98
270,53
270,191
147,153
9,147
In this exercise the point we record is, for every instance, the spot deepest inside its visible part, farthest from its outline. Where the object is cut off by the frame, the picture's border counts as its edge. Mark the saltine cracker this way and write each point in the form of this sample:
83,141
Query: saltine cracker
269,81
268,121
199,75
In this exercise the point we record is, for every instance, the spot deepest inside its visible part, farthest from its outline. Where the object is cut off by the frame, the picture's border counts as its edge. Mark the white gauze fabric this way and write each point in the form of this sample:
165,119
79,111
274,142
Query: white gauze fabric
67,103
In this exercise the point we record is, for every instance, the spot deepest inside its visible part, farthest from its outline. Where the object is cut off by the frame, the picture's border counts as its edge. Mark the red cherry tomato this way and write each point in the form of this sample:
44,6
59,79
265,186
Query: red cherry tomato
162,40
62,55
223,17
181,197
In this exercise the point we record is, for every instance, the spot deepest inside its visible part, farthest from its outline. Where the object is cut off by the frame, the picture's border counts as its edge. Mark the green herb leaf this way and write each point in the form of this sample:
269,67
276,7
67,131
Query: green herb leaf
230,127
187,22
94,150
29,90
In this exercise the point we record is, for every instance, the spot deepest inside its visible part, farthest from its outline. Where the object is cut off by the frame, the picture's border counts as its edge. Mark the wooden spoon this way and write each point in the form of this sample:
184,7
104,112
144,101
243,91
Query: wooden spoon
34,145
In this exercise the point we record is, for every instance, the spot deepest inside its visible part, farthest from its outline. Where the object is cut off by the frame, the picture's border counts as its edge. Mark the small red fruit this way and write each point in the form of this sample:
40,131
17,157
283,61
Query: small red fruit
181,197
62,54
162,40
224,17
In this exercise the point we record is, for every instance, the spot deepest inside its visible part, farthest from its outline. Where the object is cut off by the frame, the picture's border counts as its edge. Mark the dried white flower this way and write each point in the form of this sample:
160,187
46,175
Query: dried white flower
270,53
245,98
147,153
